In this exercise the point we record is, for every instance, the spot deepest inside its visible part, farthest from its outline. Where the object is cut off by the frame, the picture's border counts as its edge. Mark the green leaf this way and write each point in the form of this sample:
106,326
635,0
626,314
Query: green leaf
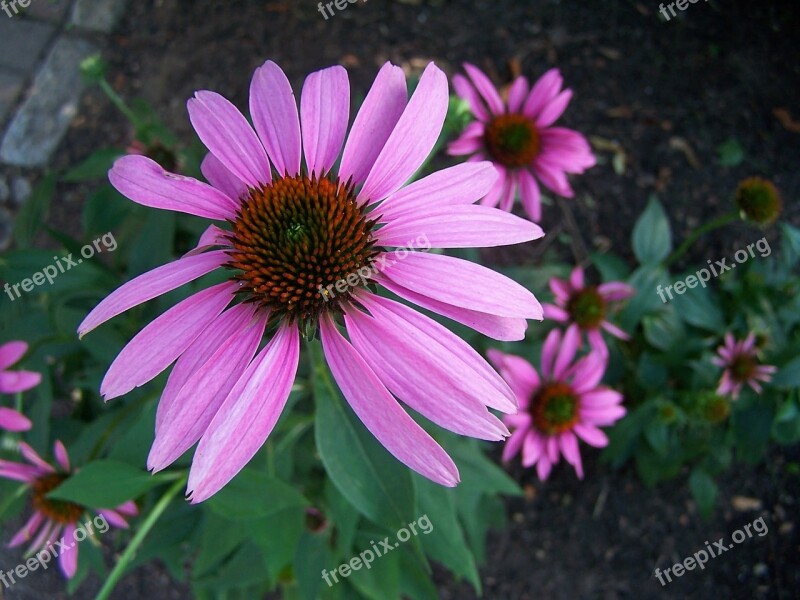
664,329
698,307
311,558
365,473
252,494
104,484
789,374
731,153
611,266
33,214
381,581
652,237
704,491
646,281
96,166
104,210
752,426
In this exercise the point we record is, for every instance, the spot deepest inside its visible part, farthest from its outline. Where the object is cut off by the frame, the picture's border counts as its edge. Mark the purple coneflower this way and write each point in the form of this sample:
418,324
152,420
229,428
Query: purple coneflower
12,382
741,364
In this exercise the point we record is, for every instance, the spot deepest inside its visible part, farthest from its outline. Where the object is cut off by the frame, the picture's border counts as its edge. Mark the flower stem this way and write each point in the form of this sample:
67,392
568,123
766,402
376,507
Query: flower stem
698,233
120,103
130,551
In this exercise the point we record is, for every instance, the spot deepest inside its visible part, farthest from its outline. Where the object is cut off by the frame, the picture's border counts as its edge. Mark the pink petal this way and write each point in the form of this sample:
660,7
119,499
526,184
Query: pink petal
217,175
374,123
28,530
616,290
495,193
485,88
247,416
591,435
60,452
465,90
514,444
11,352
464,284
549,350
228,135
552,178
602,416
532,450
566,351
509,192
588,372
412,139
151,284
162,341
615,331
33,457
427,375
273,109
530,195
12,382
464,146
381,413
228,324
145,182
462,184
19,472
11,420
497,328
202,397
129,509
47,534
544,90
554,109
517,371
555,313
561,290
596,341
569,448
324,114
576,279
464,226
68,559
114,518
543,468
212,236
600,398
517,94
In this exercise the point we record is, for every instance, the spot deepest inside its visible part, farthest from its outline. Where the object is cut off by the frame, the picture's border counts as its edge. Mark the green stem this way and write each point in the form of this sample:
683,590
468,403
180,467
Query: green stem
120,103
130,551
698,233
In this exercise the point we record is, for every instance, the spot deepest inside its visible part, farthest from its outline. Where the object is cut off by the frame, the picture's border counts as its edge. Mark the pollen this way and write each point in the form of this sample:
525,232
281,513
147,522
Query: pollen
554,408
512,140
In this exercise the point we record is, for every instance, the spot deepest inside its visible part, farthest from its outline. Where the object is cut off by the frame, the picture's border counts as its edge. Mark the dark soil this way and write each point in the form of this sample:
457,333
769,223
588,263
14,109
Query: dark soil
667,94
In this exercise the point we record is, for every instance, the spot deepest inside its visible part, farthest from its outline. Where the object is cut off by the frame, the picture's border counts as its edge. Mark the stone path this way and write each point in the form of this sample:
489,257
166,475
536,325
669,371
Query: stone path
42,43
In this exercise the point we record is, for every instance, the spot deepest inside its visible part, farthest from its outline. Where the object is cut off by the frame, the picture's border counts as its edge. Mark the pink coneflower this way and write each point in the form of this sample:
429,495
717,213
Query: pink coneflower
518,138
563,404
741,364
12,382
587,306
54,520
297,232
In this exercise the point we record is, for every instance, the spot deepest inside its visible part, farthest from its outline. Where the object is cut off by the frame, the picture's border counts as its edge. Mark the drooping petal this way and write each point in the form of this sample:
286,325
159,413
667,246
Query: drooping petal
464,284
566,351
462,184
162,341
380,412
506,329
129,509
247,416
60,452
19,472
587,372
150,285
12,382
68,559
374,123
467,92
33,457
532,450
11,420
462,226
518,373
212,236
273,109
517,94
228,135
11,352
569,448
113,517
530,195
28,530
615,331
485,88
221,178
324,113
591,435
201,398
555,313
616,290
145,182
412,139
514,444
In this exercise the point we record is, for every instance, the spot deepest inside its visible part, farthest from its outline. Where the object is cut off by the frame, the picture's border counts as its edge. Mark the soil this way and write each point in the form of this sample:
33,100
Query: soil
664,94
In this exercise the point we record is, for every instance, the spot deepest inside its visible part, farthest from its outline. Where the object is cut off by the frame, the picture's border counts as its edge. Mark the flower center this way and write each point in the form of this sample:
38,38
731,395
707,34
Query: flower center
57,510
759,200
587,308
296,237
742,368
512,140
554,408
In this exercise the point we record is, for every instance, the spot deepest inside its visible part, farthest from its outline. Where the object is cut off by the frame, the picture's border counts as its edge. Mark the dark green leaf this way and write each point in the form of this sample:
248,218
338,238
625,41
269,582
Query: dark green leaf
652,237
105,484
704,491
252,494
33,214
96,166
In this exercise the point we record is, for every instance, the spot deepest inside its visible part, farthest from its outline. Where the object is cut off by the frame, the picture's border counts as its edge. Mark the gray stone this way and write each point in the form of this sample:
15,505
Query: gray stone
48,10
10,88
98,15
44,117
23,43
20,190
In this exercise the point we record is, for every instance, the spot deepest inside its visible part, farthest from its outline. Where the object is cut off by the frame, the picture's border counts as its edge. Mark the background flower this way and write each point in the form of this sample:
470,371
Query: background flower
739,359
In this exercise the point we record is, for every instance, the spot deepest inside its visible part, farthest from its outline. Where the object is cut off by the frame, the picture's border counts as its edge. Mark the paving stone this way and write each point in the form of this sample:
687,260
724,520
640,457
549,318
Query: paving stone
22,42
52,102
48,10
10,87
97,15
21,190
